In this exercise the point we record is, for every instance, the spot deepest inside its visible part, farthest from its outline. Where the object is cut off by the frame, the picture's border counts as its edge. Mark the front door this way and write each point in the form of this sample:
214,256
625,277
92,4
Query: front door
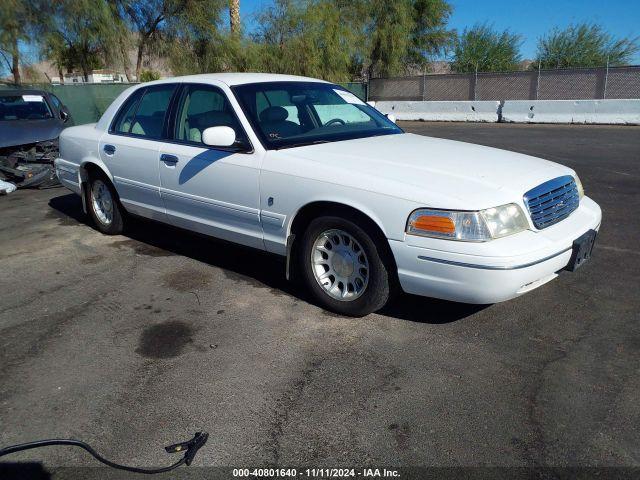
130,150
210,190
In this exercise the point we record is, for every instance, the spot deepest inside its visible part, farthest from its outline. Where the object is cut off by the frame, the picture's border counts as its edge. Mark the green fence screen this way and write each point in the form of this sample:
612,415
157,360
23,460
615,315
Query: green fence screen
87,102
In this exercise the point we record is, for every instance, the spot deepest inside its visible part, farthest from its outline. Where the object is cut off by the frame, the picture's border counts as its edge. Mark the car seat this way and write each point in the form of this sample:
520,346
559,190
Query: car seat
274,123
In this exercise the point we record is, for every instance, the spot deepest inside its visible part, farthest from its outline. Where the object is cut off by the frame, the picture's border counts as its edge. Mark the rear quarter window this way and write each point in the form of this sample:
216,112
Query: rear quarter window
124,117
143,113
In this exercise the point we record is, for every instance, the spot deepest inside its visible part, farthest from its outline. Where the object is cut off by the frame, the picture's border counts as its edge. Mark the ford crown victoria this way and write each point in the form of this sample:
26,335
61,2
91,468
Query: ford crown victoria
305,169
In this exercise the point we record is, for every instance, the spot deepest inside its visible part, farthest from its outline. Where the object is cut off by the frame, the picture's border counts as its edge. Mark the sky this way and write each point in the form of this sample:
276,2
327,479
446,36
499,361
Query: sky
529,18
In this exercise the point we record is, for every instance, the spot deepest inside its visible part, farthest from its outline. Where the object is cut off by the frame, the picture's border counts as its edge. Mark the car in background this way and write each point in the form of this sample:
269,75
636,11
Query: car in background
30,124
305,169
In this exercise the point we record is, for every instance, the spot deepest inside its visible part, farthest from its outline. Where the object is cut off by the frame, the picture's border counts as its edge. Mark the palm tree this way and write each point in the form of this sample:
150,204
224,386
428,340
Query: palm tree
234,15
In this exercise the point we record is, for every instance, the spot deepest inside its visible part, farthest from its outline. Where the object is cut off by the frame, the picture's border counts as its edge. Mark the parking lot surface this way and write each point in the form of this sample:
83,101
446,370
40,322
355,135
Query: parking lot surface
134,342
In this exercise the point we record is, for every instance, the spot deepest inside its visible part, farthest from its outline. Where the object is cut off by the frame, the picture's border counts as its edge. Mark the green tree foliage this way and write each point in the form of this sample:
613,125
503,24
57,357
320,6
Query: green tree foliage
83,34
58,53
334,39
315,38
584,45
148,20
486,50
149,76
197,43
19,19
404,33
338,39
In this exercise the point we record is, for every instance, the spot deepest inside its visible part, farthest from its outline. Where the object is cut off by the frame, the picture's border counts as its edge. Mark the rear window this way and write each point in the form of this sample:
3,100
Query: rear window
24,107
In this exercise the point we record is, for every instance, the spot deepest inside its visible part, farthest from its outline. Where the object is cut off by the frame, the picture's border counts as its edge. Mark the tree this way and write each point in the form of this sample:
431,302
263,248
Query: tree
332,39
337,39
58,53
314,38
584,45
483,49
404,33
18,19
234,16
196,41
148,19
83,34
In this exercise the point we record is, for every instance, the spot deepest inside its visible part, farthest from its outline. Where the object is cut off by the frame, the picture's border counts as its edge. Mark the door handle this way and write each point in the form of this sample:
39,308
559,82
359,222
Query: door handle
166,158
109,149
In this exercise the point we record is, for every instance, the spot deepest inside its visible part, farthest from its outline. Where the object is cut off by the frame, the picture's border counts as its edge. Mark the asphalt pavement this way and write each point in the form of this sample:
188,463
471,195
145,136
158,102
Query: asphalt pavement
134,342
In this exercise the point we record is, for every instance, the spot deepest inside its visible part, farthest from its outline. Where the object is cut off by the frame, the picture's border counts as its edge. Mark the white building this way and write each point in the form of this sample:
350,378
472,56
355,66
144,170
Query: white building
96,76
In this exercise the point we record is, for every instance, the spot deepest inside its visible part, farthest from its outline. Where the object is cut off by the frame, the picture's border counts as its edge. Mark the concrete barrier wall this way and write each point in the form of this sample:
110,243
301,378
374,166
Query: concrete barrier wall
626,112
468,111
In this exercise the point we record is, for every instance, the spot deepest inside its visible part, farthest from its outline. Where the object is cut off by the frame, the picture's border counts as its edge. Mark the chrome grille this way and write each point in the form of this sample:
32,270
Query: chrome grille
552,201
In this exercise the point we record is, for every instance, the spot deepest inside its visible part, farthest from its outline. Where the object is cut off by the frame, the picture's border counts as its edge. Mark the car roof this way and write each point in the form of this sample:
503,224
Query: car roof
237,78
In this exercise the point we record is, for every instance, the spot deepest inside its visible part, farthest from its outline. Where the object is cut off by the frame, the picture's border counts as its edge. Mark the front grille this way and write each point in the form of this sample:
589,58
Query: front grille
552,201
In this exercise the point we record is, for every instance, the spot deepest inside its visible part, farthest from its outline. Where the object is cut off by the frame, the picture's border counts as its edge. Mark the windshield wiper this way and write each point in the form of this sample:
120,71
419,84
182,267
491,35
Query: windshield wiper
302,144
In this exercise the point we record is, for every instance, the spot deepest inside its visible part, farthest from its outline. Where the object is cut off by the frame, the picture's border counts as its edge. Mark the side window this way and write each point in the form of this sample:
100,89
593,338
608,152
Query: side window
149,116
202,107
56,102
124,120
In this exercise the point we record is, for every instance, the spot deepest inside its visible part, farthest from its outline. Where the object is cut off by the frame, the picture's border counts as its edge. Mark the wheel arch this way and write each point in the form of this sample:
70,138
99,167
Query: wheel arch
87,167
89,164
320,208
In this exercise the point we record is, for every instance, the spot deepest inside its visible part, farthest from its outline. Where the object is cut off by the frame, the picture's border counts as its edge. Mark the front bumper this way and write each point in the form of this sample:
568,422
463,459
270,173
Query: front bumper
494,271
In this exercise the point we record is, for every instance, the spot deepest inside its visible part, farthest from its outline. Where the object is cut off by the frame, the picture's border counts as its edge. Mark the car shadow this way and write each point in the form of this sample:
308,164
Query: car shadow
256,267
200,162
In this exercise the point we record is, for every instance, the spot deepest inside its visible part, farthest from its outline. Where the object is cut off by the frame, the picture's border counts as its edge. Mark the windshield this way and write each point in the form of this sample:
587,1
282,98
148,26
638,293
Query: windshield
292,114
24,107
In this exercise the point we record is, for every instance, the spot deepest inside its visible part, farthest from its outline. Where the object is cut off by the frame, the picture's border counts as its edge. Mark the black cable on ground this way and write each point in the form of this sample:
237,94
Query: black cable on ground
190,448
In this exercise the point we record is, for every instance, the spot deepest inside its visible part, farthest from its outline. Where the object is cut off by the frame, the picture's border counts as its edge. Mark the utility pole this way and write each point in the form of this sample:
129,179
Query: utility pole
538,79
606,79
475,84
234,15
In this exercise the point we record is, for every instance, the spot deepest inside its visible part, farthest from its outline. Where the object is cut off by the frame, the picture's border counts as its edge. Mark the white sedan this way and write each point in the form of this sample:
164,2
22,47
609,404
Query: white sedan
304,169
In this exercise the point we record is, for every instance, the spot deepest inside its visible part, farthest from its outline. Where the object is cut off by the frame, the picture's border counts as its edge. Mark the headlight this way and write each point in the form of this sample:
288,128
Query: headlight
468,226
579,186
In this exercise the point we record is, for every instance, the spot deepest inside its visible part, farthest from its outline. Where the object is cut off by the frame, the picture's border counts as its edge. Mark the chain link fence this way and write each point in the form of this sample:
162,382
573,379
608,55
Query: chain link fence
561,84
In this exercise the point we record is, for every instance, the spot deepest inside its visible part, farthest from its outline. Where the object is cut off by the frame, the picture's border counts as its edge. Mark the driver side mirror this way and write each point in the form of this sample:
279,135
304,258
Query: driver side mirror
219,136
64,114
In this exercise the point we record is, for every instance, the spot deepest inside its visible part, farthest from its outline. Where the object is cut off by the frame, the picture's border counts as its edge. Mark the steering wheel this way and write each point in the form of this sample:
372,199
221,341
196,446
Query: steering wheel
335,120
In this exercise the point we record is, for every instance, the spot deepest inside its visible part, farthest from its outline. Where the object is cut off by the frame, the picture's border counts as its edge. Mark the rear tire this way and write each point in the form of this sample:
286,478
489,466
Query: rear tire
103,205
342,267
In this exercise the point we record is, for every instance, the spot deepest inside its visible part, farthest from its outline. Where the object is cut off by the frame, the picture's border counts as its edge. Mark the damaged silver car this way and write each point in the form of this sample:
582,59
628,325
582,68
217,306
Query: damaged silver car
30,123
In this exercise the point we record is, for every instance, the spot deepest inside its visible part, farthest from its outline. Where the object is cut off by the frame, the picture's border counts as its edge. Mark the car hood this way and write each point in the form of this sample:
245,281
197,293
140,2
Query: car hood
436,172
21,132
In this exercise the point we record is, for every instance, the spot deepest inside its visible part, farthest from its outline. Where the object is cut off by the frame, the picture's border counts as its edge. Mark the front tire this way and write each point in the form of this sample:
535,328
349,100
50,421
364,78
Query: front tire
342,268
104,207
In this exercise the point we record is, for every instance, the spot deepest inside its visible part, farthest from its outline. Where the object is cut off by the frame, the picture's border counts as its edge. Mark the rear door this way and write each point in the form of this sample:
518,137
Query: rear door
210,190
130,149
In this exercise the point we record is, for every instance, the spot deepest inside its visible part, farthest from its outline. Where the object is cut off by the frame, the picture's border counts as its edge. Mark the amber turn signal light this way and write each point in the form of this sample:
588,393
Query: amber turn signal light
434,223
